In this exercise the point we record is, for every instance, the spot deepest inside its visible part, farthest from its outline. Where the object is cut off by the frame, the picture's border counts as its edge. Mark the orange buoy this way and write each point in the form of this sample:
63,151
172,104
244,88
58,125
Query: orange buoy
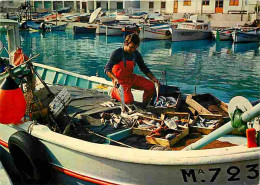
12,102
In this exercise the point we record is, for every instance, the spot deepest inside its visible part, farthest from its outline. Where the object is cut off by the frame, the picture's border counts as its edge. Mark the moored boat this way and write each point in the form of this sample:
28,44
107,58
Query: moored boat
246,36
114,30
84,29
191,30
58,27
101,29
160,32
100,161
223,35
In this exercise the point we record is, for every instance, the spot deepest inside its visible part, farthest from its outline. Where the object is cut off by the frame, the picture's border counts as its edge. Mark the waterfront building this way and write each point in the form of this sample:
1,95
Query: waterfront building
162,6
84,5
200,6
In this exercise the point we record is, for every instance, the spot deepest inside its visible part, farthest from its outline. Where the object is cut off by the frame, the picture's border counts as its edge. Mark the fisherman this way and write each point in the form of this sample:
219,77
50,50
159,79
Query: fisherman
120,67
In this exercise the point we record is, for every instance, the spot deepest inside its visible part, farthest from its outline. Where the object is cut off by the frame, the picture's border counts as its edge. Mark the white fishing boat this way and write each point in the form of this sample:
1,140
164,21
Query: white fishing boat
191,30
114,30
42,153
5,179
107,19
246,36
159,32
122,17
101,29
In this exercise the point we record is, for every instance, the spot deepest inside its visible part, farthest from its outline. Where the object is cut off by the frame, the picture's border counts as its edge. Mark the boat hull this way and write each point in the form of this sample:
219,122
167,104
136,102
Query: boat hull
246,37
185,35
158,34
58,28
114,31
223,35
101,29
77,29
99,163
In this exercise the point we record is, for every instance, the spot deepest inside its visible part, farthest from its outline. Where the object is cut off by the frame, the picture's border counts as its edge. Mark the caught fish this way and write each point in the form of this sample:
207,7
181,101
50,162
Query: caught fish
170,136
122,97
171,124
157,93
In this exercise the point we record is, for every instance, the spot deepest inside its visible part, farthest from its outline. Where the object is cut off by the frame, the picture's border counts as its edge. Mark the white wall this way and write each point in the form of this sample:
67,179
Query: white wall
196,6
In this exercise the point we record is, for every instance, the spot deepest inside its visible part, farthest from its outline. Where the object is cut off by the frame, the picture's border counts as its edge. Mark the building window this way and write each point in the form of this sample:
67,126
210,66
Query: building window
119,5
233,2
205,2
163,4
150,5
186,2
98,4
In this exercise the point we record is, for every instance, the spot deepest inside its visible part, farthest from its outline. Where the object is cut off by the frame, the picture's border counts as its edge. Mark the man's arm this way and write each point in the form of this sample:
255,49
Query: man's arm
145,69
152,77
111,62
112,76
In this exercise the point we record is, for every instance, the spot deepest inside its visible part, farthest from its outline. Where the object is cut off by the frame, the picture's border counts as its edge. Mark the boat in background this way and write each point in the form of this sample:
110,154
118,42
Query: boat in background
252,35
114,30
84,29
191,30
61,27
101,29
53,17
223,35
122,17
157,31
107,19
74,154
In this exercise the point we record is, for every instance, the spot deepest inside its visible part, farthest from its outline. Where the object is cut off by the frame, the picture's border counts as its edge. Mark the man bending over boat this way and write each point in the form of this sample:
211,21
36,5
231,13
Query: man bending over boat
120,67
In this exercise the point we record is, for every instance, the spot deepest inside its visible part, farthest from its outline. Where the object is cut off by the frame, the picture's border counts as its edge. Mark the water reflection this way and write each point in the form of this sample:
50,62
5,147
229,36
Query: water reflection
222,68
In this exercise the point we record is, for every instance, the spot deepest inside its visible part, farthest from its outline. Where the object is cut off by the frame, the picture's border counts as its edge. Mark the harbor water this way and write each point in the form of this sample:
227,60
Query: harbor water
221,68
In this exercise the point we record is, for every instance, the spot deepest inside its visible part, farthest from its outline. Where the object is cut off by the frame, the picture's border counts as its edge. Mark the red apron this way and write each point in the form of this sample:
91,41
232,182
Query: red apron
124,73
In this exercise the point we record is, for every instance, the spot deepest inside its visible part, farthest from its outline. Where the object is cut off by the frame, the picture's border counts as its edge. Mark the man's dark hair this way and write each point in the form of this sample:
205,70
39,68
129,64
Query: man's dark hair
134,38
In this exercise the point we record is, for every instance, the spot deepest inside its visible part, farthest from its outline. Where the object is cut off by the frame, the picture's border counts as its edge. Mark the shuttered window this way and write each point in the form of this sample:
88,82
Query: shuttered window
233,2
186,2
163,4
205,2
150,5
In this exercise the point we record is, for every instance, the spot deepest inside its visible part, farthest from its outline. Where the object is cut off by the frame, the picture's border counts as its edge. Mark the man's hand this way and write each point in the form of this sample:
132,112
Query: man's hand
153,78
115,82
114,79
156,81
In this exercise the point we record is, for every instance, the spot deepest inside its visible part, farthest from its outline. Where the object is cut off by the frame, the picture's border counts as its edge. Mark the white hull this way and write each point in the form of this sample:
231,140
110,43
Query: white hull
101,29
105,163
122,18
113,31
184,35
107,19
246,37
153,33
5,179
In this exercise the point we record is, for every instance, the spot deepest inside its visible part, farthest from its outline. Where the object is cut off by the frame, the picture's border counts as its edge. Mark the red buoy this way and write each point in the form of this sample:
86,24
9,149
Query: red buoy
12,102
251,138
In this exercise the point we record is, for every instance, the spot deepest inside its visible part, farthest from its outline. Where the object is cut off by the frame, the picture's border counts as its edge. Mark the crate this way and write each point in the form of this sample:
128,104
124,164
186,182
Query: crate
207,104
206,130
159,110
180,115
162,141
145,131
